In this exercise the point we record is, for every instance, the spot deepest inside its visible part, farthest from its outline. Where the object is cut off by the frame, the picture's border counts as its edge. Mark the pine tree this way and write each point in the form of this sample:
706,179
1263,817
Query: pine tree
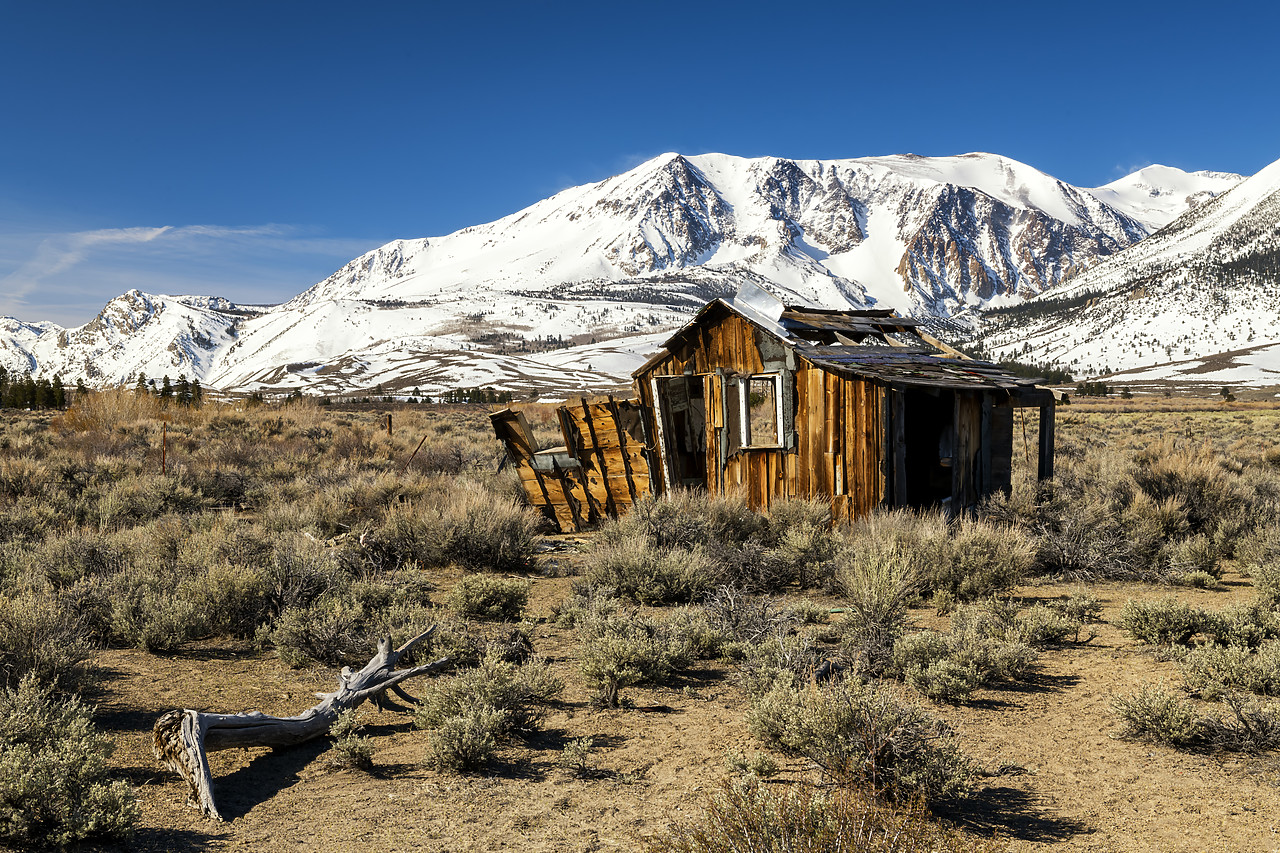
59,393
197,393
140,387
166,389
184,390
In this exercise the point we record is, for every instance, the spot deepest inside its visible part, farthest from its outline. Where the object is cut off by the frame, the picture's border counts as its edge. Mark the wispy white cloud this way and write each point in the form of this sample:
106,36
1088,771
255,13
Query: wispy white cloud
67,277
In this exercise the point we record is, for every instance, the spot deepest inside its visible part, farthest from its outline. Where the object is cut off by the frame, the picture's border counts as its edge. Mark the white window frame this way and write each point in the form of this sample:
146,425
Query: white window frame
743,386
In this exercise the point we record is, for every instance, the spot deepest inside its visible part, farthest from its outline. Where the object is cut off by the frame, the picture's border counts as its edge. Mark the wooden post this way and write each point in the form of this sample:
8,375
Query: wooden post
1046,442
388,423
414,453
897,449
164,448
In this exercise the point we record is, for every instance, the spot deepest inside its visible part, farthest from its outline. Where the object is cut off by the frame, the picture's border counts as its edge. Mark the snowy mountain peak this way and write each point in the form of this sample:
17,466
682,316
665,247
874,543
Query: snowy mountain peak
1157,195
569,291
1207,283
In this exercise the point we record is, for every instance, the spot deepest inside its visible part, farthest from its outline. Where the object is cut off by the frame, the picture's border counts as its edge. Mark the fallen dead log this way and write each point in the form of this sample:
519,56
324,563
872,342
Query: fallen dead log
181,739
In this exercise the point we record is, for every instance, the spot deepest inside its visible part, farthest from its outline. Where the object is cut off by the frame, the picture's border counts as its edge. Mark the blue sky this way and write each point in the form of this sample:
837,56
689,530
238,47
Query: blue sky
250,149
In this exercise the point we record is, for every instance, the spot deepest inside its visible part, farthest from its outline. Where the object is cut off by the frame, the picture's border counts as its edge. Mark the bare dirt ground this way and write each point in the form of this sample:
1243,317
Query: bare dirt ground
1063,781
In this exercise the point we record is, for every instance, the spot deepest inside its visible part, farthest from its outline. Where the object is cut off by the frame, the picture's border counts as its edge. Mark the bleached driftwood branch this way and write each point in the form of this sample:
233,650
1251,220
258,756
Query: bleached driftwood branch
181,739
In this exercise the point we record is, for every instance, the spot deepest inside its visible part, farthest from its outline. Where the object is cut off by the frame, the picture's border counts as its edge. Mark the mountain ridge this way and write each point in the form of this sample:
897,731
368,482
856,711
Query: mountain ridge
605,267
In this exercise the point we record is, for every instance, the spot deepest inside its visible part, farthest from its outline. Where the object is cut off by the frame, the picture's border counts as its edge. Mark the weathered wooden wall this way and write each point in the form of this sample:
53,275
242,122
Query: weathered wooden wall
600,472
839,424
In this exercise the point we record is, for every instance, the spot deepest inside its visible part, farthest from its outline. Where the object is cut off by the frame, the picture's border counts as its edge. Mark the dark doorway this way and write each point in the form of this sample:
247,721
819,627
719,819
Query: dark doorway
929,446
682,409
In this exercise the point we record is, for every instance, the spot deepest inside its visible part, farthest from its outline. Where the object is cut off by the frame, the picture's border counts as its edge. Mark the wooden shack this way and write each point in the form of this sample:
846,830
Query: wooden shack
861,408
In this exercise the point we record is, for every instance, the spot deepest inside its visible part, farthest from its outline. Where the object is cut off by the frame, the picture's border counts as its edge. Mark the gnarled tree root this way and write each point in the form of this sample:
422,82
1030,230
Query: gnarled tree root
181,739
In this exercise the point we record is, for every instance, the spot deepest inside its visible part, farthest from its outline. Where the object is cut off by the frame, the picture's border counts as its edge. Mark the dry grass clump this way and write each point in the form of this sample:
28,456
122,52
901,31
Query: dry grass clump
809,819
681,545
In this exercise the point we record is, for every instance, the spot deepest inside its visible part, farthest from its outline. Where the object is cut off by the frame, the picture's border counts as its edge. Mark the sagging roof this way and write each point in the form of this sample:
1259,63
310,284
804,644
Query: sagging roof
862,343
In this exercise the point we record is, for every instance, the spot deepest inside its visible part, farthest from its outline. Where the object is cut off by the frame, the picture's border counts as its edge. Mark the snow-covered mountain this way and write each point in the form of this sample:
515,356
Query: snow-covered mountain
573,291
1199,301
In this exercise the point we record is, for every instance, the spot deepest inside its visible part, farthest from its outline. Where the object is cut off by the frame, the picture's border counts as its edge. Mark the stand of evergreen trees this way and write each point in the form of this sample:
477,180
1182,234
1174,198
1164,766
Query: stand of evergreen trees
184,393
476,395
24,392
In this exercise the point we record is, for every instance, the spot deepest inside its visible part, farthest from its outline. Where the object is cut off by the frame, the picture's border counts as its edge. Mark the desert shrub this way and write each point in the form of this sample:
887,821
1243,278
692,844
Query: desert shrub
1165,621
350,750
745,617
732,543
330,631
623,649
487,597
1196,580
979,651
1157,715
1081,606
859,733
801,542
979,560
1194,477
468,740
54,789
759,765
806,819
966,560
1266,583
1260,547
783,658
234,600
1195,554
1213,671
79,554
585,602
42,637
1080,534
299,573
576,756
469,714
685,519
649,573
807,612
141,607
518,691
1247,625
144,497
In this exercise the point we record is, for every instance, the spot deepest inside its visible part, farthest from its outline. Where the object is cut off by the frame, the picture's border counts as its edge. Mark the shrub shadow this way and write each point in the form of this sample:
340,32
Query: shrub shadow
1011,813
162,840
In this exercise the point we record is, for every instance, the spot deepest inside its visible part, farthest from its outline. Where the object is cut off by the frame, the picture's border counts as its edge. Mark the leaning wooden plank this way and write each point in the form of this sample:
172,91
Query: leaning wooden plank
181,739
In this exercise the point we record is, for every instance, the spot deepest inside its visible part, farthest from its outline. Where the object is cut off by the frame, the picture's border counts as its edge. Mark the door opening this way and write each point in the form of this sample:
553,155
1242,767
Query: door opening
682,428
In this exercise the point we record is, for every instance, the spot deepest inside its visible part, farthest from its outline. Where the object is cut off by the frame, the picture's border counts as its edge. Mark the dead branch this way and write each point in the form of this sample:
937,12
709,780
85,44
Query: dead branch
181,739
